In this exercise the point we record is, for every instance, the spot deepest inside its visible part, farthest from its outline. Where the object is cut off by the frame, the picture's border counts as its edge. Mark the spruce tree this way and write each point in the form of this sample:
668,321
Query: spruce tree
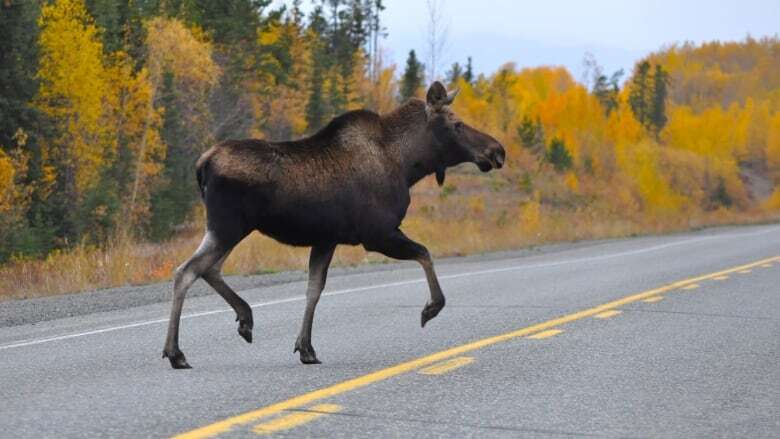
531,134
468,74
455,73
412,78
18,64
647,96
639,96
606,90
21,125
315,107
112,17
657,115
558,155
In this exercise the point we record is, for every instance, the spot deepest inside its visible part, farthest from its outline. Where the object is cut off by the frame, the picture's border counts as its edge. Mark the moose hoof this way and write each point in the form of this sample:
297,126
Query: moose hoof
245,330
177,359
308,356
430,311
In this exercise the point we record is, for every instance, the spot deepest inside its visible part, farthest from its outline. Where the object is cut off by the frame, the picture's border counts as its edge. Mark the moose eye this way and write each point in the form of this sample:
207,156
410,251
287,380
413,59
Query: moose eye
458,126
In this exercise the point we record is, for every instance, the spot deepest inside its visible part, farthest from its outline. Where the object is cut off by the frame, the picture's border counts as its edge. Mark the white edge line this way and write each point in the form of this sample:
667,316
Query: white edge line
385,285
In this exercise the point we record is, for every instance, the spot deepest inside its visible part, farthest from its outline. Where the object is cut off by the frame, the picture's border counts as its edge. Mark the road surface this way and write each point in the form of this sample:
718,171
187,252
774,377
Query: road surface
671,336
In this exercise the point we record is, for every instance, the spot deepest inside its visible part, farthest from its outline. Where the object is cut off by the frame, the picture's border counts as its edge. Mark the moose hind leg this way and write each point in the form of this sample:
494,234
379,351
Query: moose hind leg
399,246
319,261
213,276
208,253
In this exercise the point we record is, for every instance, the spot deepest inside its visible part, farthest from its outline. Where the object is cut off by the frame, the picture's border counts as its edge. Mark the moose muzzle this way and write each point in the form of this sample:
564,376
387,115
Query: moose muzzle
492,158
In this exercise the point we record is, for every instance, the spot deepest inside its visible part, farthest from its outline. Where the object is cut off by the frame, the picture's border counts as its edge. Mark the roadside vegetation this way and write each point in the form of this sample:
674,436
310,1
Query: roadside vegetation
106,105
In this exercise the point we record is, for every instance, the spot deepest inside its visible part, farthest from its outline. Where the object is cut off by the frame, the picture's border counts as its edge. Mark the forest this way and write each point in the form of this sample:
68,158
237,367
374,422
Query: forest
106,104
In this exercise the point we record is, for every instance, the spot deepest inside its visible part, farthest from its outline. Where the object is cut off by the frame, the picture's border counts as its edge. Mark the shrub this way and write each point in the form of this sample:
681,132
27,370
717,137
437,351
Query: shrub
558,155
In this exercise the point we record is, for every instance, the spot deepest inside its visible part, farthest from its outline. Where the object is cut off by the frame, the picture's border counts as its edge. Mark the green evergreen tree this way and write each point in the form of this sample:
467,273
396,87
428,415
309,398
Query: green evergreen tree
657,116
640,92
173,200
719,196
112,16
468,74
455,73
647,96
607,91
413,76
122,22
316,110
531,134
340,28
558,155
23,126
18,65
233,26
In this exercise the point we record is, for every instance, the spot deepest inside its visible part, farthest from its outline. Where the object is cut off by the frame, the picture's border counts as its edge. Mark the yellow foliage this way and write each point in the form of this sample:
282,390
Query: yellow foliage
73,87
382,94
721,73
640,163
713,132
14,194
8,188
173,48
281,105
270,34
176,50
773,147
136,124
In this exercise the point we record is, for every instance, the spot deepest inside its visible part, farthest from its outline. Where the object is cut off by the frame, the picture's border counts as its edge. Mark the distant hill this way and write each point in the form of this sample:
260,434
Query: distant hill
723,73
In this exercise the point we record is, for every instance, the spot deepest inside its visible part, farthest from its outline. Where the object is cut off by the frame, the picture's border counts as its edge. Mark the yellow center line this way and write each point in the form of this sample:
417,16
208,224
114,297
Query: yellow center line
745,271
766,265
690,287
607,314
295,419
724,277
545,334
446,366
408,366
653,299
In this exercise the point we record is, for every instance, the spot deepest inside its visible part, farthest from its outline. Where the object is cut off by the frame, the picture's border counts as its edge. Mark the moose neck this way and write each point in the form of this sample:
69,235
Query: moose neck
409,141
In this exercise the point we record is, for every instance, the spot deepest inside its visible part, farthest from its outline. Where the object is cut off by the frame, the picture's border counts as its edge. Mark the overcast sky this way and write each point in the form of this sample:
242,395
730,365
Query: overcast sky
555,32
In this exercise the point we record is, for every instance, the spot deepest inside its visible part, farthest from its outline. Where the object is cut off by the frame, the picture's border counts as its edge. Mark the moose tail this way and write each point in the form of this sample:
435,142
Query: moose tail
202,170
201,174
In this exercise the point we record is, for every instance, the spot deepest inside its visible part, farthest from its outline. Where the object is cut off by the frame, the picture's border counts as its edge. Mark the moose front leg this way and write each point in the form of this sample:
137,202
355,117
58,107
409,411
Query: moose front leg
319,261
399,246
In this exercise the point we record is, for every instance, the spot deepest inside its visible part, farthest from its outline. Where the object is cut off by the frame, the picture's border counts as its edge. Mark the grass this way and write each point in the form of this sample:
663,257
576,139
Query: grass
475,215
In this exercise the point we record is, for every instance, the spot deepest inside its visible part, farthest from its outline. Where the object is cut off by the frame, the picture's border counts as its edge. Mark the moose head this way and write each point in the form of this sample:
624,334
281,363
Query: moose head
453,140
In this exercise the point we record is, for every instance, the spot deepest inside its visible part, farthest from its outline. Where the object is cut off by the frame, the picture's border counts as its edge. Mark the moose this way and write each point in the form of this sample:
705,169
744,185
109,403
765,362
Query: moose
347,184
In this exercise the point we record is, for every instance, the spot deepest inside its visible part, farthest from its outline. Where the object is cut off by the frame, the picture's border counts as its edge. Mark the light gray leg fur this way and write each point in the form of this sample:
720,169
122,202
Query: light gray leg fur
436,303
207,254
319,261
213,276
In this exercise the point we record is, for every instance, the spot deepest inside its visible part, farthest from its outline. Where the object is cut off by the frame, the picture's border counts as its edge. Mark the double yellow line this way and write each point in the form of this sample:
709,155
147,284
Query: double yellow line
409,366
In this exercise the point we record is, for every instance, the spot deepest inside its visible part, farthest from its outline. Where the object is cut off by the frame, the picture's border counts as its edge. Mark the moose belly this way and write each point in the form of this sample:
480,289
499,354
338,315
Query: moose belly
306,222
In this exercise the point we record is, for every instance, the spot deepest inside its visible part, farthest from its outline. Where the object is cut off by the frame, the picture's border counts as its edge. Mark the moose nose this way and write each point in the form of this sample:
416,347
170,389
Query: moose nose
499,155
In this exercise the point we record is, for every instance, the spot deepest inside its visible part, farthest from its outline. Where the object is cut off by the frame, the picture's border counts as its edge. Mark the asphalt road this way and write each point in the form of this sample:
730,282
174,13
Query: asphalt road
675,336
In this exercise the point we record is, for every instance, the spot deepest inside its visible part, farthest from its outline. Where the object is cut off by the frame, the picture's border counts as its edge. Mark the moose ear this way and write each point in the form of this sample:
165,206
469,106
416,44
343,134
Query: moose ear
437,95
451,96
